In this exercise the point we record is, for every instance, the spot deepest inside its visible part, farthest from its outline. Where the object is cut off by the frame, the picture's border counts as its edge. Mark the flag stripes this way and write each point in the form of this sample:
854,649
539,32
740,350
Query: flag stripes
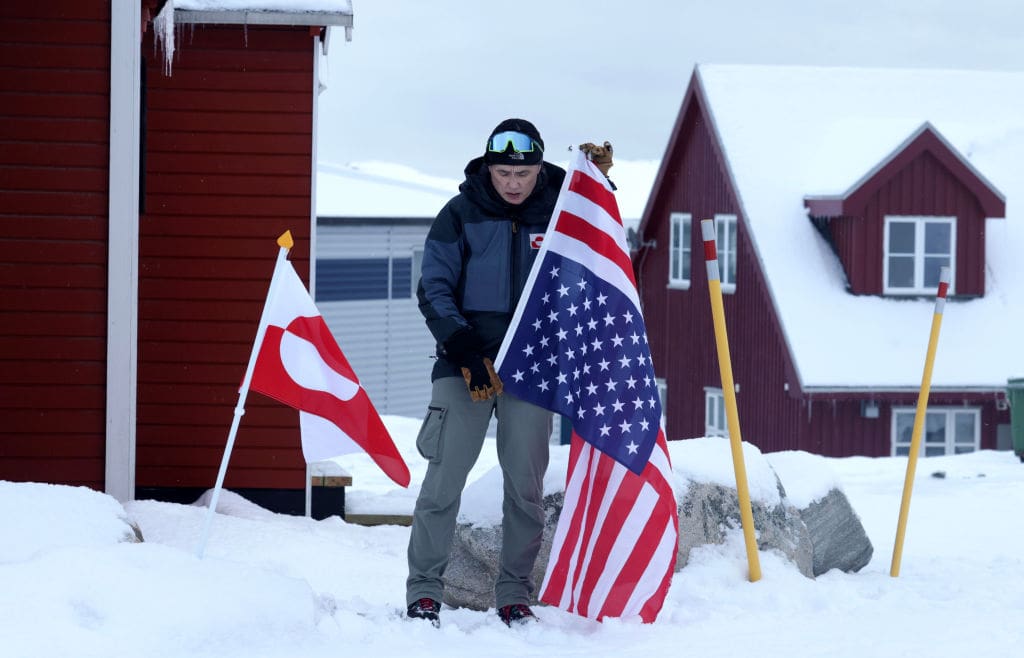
578,346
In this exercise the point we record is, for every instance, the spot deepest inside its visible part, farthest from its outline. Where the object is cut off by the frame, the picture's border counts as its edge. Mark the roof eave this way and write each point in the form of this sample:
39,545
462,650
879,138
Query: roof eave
254,17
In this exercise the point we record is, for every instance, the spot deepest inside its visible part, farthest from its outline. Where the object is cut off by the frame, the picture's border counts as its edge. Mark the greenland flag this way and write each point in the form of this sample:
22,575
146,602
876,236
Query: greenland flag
301,365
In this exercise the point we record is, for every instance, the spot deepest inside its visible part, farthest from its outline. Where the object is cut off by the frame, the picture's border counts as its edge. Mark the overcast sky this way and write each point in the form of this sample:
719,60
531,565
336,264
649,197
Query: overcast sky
423,83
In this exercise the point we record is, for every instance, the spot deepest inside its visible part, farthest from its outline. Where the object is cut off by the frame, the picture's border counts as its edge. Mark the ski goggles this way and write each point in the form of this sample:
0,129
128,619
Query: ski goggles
520,143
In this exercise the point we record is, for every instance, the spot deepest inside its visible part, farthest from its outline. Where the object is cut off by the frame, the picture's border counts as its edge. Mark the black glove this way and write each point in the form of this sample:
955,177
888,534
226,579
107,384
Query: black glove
481,379
462,346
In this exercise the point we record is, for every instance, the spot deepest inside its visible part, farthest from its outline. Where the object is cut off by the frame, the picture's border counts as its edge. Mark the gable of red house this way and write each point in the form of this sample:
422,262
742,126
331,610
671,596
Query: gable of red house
827,321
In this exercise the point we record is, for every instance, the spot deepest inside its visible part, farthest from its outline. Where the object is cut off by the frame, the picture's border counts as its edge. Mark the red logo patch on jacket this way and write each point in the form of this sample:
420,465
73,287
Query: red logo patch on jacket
536,239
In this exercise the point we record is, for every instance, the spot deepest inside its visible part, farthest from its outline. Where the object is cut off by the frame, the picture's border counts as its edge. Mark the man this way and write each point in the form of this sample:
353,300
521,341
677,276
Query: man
476,260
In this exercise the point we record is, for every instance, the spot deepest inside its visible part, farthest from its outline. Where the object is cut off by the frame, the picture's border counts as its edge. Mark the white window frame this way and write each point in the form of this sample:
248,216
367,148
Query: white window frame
949,445
680,223
920,222
715,421
727,260
662,385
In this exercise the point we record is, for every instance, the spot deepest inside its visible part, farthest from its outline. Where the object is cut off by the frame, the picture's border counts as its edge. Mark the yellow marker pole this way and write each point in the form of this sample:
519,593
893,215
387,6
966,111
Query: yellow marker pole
707,228
919,416
285,243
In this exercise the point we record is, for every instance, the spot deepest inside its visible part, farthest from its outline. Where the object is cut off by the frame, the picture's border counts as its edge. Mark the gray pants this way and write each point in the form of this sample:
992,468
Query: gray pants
451,438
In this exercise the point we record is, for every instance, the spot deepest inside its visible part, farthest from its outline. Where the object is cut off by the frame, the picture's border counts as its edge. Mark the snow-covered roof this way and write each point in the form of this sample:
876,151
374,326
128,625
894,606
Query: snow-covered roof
254,12
383,189
789,132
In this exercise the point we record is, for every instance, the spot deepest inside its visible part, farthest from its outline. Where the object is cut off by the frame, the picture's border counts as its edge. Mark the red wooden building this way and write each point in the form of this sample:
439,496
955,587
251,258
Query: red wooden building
140,200
837,195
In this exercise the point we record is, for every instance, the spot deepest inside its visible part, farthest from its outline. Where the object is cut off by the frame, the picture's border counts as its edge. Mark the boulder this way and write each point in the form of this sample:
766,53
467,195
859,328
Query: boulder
838,538
824,535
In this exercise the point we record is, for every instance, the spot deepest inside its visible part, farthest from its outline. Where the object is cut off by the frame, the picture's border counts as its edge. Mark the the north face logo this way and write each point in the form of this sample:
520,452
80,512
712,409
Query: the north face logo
516,156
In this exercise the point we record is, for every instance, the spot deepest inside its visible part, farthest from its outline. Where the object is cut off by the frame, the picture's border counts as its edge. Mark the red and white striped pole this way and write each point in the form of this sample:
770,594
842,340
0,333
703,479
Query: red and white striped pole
919,416
707,228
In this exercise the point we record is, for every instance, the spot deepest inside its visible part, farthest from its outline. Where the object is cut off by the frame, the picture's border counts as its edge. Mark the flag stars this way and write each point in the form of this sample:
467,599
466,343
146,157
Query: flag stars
611,384
644,425
582,285
596,344
564,379
536,324
638,404
569,354
535,368
587,303
518,375
543,385
572,309
628,317
576,373
568,398
605,429
580,413
546,298
625,427
563,290
579,329
609,320
641,360
552,359
651,402
635,338
553,316
625,361
562,333
599,409
618,406
617,340
630,382
544,341
601,299
592,324
553,273
592,388
528,350
604,364
632,447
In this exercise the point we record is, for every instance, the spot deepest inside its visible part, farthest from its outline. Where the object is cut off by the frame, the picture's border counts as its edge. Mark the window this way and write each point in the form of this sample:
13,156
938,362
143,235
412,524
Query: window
916,249
680,250
714,413
725,229
947,430
663,396
352,279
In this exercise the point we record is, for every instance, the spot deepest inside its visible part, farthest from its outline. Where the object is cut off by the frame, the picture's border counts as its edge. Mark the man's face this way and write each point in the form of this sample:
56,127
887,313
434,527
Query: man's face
514,183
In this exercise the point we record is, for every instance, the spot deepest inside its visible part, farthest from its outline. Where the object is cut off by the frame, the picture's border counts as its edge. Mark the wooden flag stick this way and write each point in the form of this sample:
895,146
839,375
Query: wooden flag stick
285,243
707,228
919,416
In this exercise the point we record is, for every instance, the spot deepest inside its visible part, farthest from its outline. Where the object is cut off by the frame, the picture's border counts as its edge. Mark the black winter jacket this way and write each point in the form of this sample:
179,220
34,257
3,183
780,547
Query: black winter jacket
477,257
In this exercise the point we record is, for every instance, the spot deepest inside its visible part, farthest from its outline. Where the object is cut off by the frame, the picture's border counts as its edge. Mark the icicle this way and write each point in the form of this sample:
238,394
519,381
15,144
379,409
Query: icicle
163,32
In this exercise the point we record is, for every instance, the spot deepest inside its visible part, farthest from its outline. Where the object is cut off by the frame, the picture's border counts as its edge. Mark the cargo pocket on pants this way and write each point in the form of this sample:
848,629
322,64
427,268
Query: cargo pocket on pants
428,441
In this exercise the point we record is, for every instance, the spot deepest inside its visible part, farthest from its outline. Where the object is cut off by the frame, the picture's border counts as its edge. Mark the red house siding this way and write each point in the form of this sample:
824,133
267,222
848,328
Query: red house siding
683,339
774,413
924,186
54,116
228,169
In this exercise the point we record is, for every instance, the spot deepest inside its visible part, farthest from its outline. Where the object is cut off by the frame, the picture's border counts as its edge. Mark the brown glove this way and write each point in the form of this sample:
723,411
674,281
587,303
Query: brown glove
481,380
599,155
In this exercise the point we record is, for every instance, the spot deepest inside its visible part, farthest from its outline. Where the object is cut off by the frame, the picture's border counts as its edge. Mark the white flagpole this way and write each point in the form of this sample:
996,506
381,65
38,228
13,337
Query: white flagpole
286,243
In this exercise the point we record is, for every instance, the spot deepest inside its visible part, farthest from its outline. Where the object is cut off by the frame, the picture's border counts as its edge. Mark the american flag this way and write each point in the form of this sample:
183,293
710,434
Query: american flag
578,346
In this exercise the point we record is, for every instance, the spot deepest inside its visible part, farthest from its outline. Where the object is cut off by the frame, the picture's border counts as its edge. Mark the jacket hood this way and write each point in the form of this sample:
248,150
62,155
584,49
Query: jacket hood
478,189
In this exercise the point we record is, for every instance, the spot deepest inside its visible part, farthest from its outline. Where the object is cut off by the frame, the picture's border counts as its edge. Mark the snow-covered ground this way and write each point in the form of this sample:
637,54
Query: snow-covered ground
275,586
